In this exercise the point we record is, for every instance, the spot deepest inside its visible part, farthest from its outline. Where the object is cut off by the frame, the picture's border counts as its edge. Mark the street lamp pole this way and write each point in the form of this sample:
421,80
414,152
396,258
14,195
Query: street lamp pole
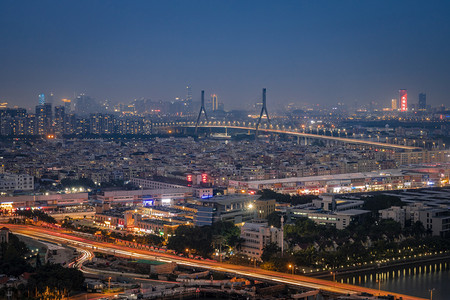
282,235
431,294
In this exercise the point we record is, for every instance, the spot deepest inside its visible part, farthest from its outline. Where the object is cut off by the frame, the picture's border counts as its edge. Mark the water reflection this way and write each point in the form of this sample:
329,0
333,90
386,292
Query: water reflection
415,280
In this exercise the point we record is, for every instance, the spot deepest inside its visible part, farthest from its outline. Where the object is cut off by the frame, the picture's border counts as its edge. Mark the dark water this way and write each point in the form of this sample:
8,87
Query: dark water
412,280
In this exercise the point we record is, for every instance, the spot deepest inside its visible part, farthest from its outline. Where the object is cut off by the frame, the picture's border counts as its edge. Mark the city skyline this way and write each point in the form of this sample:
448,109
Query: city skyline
321,52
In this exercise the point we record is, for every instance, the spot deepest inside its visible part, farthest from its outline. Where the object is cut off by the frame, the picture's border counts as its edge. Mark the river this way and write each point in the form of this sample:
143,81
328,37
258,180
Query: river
410,280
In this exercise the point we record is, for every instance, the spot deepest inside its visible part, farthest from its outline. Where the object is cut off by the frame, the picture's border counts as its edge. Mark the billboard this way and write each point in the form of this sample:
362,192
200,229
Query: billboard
148,200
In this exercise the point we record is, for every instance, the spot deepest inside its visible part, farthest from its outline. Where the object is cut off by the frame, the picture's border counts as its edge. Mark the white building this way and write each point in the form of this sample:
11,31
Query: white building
16,182
431,208
436,220
148,197
329,211
154,185
395,213
51,201
256,236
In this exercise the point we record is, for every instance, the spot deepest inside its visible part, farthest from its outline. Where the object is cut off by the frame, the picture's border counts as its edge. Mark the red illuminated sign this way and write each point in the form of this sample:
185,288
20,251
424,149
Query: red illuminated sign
204,178
189,178
403,100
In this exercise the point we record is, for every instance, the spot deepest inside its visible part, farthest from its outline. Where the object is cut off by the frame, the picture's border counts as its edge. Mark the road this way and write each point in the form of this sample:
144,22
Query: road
310,135
249,272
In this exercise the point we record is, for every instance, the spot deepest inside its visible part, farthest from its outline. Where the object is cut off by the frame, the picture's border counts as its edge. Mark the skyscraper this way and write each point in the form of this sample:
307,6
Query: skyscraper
85,105
394,104
188,93
422,101
403,100
59,119
67,105
41,99
214,102
44,119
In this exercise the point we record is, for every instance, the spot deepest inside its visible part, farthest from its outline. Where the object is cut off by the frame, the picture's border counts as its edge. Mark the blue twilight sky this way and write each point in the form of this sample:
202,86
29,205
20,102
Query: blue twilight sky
301,51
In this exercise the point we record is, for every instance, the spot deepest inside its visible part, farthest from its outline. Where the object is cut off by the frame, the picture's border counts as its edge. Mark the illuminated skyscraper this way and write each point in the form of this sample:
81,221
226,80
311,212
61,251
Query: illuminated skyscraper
44,119
41,99
67,105
59,120
422,101
394,105
403,100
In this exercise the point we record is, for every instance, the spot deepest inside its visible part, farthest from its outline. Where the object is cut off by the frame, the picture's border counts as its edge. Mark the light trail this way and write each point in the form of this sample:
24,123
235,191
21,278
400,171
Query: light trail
306,135
297,280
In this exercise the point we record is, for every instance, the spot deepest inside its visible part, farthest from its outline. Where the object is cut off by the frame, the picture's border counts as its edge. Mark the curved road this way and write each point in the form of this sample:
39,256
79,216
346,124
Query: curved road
298,280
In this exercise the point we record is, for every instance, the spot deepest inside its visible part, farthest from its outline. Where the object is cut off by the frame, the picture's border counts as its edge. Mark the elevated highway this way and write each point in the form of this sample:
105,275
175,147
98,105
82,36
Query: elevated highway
293,132
255,273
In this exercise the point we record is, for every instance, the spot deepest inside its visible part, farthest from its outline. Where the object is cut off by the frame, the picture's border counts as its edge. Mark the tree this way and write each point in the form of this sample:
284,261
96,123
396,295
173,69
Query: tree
379,202
269,251
56,277
12,254
228,231
274,219
195,239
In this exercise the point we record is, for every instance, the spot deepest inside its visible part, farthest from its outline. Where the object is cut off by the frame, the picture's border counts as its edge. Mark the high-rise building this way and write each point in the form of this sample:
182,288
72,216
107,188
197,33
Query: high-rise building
67,105
85,105
101,124
422,101
59,120
403,100
41,99
214,102
44,119
188,93
394,104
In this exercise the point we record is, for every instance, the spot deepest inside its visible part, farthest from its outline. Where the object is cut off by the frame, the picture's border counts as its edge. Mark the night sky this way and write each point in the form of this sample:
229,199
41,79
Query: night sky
302,51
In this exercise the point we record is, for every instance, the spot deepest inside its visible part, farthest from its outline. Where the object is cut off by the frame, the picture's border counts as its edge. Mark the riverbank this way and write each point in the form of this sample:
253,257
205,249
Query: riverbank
445,257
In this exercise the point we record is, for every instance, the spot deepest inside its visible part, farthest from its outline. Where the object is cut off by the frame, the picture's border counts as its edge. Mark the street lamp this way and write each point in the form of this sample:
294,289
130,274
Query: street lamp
292,267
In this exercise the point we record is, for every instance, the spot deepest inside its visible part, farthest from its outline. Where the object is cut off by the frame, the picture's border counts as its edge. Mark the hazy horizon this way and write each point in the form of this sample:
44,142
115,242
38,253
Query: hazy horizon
320,52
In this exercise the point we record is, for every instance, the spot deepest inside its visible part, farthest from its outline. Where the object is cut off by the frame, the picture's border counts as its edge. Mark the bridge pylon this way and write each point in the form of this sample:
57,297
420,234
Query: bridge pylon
202,109
263,112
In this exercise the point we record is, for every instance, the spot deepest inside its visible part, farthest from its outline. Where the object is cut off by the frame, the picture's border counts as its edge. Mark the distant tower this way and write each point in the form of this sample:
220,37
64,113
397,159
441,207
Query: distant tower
41,99
394,104
215,102
188,93
422,101
67,105
263,111
44,119
403,100
202,109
